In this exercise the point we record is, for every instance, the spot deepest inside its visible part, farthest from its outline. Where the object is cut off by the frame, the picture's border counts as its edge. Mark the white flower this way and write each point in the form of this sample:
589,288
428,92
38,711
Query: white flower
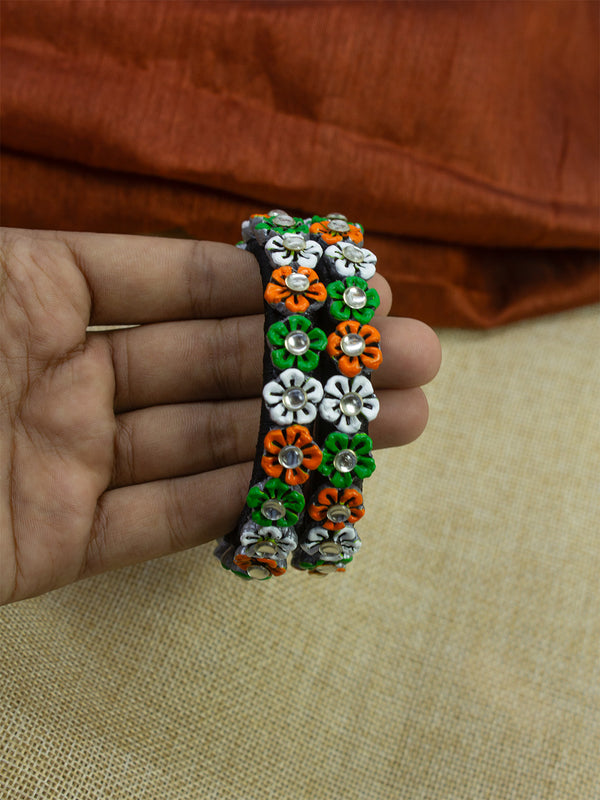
348,259
345,401
347,538
292,398
284,256
283,540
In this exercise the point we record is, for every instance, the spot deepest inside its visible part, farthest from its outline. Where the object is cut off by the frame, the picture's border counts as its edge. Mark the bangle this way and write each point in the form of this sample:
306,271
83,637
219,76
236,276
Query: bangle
313,449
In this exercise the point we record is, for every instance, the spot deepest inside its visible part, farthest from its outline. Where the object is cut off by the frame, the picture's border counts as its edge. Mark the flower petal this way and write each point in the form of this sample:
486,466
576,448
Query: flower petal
338,386
329,409
292,377
309,361
313,389
370,408
272,392
362,386
282,359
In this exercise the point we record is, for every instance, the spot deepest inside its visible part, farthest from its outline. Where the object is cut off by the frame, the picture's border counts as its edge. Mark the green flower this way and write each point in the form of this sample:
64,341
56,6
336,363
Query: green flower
353,457
287,501
269,224
339,307
303,353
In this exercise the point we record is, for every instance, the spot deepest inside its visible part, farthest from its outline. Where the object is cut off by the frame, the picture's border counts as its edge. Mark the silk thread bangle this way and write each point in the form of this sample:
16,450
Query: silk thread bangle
313,449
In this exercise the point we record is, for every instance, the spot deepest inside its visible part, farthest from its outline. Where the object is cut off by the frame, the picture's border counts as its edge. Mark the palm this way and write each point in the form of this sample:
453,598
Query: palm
130,444
62,423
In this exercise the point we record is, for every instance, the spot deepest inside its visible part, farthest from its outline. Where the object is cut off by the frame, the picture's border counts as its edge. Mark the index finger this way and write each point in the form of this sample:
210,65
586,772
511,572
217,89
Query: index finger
139,279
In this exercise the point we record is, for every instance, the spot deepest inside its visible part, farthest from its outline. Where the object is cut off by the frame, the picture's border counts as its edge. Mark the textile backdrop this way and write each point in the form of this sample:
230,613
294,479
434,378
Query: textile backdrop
463,135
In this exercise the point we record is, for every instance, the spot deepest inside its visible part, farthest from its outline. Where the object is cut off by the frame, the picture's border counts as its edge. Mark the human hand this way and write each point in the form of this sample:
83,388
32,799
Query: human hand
124,445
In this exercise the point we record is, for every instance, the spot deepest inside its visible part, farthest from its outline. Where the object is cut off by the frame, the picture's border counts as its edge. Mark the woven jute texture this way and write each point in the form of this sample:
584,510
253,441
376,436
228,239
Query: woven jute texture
458,658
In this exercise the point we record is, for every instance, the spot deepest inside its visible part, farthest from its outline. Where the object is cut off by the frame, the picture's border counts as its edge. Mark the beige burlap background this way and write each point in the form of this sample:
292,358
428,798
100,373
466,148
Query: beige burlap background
458,658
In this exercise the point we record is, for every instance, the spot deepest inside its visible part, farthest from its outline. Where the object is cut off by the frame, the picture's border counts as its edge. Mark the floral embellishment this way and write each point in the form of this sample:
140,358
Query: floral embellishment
292,249
292,398
345,402
269,541
340,545
290,453
336,508
332,231
296,343
344,460
276,221
352,299
355,347
293,292
348,259
275,503
266,566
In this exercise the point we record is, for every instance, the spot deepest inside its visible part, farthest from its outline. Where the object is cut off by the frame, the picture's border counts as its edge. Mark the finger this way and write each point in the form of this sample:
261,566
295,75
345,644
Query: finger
214,359
149,520
177,440
140,279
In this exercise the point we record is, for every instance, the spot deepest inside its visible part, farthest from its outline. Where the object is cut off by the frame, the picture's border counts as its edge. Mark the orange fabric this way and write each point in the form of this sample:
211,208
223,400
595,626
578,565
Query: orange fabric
464,136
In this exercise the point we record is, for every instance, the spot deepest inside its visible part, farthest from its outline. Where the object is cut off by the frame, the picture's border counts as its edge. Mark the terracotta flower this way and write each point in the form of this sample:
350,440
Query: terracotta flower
294,292
352,299
280,541
277,221
296,343
351,260
332,231
348,403
292,397
293,249
354,347
346,460
290,454
330,497
346,537
244,562
274,503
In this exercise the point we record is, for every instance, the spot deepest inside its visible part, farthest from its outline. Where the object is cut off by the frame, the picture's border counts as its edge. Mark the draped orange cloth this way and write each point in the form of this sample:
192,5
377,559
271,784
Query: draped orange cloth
464,136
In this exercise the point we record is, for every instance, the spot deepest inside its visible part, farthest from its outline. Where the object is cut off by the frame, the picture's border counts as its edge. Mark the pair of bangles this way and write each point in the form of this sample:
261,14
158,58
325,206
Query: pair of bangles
313,451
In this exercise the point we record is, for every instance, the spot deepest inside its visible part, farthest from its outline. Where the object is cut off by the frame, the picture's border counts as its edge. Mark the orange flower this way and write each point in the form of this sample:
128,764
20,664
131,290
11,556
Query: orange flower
330,496
340,348
296,301
354,233
301,454
243,562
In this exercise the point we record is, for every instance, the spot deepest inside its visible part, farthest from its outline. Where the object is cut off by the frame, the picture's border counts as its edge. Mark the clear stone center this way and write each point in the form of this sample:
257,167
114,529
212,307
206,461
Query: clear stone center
294,398
355,297
351,404
353,253
352,344
293,241
339,225
338,513
324,569
345,461
282,220
330,549
336,215
290,457
272,509
258,572
265,549
297,282
297,343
